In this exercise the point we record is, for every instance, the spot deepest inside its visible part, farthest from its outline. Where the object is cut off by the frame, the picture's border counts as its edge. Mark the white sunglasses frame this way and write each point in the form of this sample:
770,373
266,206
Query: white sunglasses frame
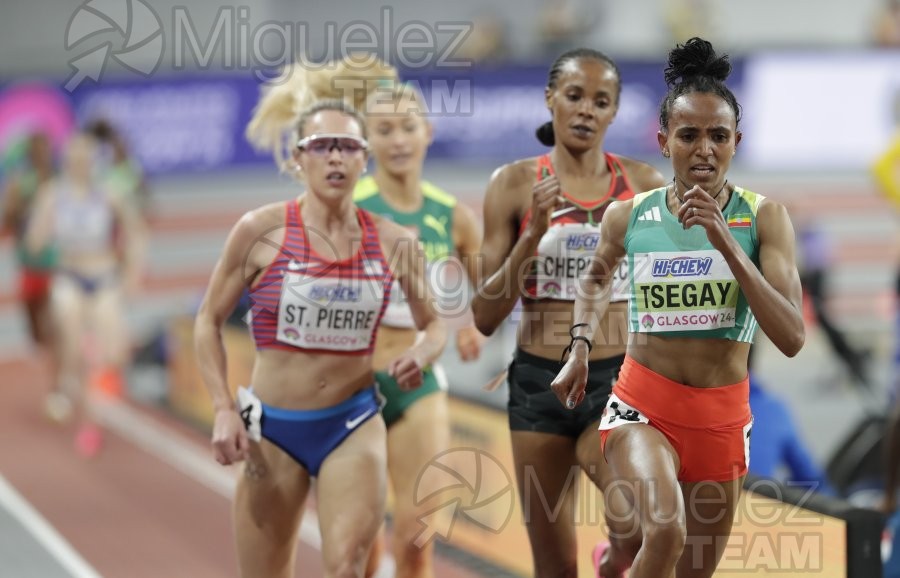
301,144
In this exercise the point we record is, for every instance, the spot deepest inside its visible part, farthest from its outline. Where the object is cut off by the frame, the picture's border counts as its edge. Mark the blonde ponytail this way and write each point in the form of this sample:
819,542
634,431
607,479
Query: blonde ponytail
300,86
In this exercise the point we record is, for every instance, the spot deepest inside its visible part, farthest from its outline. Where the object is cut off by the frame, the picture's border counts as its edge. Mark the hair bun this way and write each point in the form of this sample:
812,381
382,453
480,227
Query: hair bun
544,134
696,57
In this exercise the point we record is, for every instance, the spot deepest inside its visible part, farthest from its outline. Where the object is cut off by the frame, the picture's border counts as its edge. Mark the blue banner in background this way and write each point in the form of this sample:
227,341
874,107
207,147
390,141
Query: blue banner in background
195,123
505,106
183,123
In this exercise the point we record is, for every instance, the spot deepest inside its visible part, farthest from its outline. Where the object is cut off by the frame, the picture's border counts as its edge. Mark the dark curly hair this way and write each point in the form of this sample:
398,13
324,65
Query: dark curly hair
695,67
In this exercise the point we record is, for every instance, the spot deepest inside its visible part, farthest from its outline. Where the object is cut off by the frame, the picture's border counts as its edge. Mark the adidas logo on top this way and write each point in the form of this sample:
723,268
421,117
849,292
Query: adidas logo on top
651,214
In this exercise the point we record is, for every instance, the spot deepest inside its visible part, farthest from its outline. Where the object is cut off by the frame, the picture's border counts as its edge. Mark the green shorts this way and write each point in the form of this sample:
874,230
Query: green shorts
396,400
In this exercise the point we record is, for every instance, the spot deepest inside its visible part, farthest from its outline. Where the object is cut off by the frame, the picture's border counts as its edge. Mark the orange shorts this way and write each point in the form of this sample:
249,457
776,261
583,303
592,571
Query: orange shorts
34,284
709,428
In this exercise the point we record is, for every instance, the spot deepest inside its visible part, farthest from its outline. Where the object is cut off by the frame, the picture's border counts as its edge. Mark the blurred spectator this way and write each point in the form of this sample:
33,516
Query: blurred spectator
75,213
488,42
887,25
894,384
816,258
776,446
564,25
35,267
892,469
777,449
886,168
886,171
122,175
689,18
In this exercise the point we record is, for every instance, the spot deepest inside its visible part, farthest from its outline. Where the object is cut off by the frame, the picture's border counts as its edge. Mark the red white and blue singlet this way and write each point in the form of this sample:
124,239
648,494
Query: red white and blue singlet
567,247
307,303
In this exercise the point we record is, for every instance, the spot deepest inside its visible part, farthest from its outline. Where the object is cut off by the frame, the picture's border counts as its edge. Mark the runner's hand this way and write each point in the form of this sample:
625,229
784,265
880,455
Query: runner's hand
546,198
572,379
229,439
407,371
700,208
468,343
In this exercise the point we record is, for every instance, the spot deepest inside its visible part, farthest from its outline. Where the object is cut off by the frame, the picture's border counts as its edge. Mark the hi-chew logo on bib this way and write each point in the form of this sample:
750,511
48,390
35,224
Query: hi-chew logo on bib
682,266
683,291
334,294
329,313
583,241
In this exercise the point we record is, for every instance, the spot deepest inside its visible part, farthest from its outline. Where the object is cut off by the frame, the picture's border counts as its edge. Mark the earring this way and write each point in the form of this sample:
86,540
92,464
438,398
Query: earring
665,153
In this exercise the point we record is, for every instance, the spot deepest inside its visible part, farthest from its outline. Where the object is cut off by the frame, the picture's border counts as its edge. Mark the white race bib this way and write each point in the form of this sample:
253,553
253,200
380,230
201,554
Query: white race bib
564,253
398,314
618,413
683,291
250,408
746,432
328,313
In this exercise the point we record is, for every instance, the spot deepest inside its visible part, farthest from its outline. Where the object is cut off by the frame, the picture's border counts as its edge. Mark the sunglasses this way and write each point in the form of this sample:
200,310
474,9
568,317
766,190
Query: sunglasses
322,144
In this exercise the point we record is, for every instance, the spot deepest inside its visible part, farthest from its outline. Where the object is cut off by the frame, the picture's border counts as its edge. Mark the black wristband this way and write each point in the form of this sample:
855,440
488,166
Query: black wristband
576,326
575,338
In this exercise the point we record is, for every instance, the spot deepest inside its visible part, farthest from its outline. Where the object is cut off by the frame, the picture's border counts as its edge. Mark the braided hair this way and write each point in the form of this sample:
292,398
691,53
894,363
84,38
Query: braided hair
544,133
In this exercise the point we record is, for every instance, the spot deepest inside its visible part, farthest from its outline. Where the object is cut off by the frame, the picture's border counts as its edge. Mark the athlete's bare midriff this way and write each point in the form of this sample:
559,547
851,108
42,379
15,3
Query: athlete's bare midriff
391,343
544,329
90,264
692,361
306,380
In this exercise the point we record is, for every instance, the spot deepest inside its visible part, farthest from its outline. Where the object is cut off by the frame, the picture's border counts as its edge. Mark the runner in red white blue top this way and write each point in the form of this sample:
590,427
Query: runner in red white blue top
319,271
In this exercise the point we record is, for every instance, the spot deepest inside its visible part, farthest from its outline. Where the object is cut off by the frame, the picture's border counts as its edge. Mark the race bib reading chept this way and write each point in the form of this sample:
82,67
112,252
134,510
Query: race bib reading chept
564,254
683,291
328,313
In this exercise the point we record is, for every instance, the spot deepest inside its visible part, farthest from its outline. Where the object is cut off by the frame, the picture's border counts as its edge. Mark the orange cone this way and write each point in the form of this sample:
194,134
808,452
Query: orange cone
108,382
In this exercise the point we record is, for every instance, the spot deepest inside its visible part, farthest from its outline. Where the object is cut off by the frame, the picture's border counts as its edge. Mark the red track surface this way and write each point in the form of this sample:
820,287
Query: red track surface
128,513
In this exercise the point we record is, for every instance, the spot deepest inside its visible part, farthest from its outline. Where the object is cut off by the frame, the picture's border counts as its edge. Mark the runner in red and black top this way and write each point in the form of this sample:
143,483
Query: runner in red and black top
567,246
541,221
319,271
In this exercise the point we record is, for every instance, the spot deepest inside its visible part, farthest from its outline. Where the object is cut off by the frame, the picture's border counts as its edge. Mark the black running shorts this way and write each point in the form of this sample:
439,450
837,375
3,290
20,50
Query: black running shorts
534,407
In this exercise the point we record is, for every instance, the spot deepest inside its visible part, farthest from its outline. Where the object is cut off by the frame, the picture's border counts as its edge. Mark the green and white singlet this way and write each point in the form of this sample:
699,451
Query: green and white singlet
680,285
432,224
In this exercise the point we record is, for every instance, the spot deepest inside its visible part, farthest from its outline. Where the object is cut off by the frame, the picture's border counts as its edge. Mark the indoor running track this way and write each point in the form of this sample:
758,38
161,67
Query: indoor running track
153,503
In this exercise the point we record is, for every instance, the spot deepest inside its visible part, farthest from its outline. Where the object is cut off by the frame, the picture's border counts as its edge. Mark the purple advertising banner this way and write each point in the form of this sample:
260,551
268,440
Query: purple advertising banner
493,114
182,123
195,123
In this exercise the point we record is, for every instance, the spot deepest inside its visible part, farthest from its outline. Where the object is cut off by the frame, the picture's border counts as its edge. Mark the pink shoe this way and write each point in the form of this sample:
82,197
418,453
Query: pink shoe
597,556
89,441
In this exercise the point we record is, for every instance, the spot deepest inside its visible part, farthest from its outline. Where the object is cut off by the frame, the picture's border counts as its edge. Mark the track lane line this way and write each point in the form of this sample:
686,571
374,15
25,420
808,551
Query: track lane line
43,532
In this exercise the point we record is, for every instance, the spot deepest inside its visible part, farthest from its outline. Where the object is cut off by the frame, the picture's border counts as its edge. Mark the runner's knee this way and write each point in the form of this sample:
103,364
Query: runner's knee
665,537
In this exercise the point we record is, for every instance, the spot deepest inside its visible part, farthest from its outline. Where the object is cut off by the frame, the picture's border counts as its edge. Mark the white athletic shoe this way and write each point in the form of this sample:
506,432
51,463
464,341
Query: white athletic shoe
58,407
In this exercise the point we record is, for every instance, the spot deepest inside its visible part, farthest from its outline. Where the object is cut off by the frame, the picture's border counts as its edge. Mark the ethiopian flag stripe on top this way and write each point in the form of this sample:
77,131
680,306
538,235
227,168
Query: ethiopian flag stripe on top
740,221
